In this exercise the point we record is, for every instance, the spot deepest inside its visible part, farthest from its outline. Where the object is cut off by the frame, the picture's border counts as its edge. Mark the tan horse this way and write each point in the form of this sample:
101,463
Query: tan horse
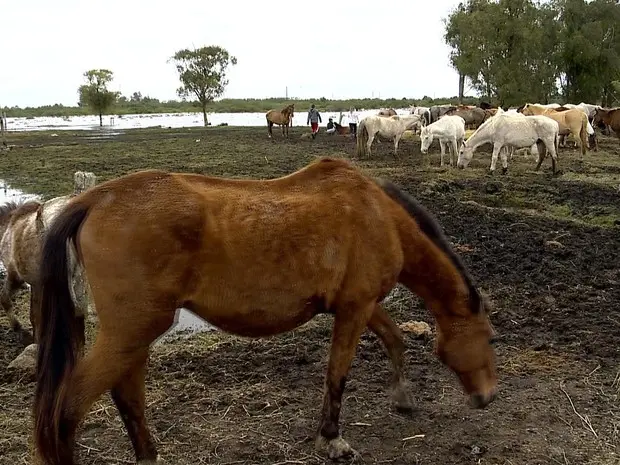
12,214
325,239
574,122
21,241
282,117
610,117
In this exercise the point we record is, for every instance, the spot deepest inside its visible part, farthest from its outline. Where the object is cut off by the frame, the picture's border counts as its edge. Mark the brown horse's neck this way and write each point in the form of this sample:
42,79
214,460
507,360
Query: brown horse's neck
431,274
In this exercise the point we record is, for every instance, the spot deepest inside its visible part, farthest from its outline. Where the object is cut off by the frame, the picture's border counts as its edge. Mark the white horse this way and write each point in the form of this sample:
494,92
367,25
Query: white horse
517,131
389,127
587,108
424,112
450,130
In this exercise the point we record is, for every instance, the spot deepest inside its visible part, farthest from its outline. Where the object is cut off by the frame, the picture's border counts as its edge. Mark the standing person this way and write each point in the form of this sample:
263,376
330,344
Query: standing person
314,117
353,121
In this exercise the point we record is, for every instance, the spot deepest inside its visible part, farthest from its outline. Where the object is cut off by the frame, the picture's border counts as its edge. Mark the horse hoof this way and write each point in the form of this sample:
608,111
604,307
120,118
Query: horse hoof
504,170
336,449
402,400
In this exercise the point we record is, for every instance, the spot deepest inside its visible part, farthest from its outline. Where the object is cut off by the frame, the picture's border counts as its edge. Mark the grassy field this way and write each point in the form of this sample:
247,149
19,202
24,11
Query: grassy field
546,248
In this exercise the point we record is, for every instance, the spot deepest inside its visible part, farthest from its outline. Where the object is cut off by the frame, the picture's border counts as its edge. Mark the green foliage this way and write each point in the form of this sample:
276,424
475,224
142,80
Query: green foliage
202,73
95,93
517,51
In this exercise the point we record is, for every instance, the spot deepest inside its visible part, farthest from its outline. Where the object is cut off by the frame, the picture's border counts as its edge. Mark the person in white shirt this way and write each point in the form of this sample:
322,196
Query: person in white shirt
353,121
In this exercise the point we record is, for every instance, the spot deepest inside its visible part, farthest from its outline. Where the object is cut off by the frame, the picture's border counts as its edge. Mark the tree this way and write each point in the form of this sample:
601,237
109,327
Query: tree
95,92
203,73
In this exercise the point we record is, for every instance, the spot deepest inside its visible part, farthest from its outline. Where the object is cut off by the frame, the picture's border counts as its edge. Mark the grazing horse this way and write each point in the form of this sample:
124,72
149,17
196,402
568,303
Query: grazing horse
448,130
325,239
282,117
387,112
610,117
517,131
571,121
21,241
392,127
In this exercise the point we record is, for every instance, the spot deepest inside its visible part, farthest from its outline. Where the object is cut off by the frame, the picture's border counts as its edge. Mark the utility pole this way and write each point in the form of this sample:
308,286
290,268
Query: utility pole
286,92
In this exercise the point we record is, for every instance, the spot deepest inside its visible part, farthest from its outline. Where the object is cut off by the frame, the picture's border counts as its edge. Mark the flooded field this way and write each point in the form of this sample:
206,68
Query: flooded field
163,120
545,248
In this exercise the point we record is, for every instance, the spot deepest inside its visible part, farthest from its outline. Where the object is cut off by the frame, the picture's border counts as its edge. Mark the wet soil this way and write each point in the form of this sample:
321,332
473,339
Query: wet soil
545,248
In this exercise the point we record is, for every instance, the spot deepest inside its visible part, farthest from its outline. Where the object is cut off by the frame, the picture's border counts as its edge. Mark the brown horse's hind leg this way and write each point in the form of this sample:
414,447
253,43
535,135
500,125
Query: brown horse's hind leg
114,354
382,325
128,395
349,324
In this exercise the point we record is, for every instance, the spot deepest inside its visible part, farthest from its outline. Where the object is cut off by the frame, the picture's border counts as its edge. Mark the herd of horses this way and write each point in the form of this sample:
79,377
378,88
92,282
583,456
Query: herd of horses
576,121
326,239
524,128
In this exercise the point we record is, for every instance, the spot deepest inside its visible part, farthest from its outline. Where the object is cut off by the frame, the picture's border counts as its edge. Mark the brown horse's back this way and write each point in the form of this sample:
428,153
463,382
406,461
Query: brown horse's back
174,230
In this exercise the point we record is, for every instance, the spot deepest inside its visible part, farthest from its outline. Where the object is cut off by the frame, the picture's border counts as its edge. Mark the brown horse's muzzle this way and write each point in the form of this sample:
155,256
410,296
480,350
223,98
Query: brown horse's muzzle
482,400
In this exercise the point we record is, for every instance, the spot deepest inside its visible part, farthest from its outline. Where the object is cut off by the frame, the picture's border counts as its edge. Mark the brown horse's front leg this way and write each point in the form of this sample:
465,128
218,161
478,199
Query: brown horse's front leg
392,339
349,323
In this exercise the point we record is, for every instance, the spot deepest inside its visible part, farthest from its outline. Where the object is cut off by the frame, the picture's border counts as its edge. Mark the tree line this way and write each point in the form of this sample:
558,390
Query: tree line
202,73
517,51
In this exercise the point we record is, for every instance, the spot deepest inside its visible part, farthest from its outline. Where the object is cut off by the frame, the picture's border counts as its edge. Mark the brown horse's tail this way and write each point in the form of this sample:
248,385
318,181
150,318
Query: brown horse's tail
362,138
60,335
583,134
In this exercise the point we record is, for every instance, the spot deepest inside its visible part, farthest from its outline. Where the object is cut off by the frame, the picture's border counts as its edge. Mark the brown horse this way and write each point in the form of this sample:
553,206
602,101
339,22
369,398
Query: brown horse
573,121
342,130
387,112
610,117
282,117
325,239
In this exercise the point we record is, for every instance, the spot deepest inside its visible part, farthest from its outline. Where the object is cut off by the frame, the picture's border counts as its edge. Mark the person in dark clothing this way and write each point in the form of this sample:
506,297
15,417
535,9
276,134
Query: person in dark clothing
331,128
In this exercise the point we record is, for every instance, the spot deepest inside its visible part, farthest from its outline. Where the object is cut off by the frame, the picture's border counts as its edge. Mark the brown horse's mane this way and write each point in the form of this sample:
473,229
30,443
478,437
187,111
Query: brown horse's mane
431,228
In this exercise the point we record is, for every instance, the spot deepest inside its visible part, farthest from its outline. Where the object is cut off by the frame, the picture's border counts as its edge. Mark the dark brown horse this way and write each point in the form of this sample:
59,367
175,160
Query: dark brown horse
342,130
254,258
610,117
282,117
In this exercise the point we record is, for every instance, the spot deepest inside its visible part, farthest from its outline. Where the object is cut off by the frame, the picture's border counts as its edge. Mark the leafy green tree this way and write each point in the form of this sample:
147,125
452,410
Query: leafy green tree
95,92
506,48
202,73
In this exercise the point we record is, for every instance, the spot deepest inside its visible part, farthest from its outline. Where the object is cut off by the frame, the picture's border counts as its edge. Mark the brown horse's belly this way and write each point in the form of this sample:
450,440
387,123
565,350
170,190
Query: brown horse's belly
257,322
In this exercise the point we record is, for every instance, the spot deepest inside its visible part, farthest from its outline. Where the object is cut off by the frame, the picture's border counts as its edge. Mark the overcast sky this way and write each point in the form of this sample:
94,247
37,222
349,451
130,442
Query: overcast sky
332,49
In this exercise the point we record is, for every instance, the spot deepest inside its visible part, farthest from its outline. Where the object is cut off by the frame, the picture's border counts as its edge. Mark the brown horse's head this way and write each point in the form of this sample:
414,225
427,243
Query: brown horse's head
464,344
464,331
601,117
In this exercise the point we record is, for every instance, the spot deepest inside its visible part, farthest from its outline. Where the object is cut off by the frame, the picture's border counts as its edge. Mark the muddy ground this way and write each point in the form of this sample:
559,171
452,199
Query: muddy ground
546,249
